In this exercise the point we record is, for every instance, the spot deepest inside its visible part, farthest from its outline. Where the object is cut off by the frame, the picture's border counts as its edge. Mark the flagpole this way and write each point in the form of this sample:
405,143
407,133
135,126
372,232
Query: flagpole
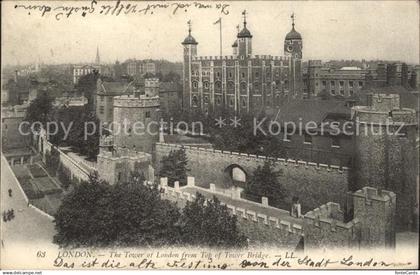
220,36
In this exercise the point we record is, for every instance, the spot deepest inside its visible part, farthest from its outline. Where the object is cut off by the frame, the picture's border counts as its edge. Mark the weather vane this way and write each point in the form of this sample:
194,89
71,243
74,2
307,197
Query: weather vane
293,19
244,14
189,26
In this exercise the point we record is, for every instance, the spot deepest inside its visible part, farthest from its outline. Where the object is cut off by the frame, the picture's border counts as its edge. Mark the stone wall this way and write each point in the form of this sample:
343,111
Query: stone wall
260,229
77,170
313,183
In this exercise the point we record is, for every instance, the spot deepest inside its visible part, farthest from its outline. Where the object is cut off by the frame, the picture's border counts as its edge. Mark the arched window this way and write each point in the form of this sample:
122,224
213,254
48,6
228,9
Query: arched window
195,84
206,85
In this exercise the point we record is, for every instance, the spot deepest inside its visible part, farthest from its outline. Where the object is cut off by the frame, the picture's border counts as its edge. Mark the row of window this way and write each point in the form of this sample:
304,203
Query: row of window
231,85
335,141
341,83
230,74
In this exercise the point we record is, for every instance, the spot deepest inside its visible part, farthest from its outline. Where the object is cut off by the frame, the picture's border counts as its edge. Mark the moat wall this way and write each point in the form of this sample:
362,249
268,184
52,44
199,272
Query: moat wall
313,183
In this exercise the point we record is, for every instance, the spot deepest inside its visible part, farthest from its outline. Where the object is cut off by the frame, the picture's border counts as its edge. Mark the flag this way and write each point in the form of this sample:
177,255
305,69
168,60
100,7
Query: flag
219,21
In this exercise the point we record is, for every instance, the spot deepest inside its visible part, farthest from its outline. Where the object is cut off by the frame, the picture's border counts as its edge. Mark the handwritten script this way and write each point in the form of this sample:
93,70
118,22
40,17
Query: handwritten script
214,260
117,8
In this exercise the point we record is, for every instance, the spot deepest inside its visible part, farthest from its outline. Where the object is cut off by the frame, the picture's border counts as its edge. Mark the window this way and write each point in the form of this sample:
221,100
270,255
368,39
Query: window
206,99
307,139
360,83
333,92
206,85
230,74
195,101
218,101
243,75
147,114
332,83
218,85
243,102
101,109
218,74
231,102
351,92
231,85
335,142
341,92
257,74
351,83
195,85
341,83
324,83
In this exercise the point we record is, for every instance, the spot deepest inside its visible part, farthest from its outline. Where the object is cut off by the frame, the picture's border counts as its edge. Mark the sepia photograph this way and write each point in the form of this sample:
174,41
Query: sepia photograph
209,135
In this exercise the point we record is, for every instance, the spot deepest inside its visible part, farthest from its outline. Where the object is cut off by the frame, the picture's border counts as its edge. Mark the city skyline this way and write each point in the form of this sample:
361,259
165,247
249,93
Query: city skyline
344,30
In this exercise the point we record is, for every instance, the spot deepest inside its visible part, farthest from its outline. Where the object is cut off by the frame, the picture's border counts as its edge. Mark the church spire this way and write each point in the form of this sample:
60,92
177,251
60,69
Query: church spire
97,59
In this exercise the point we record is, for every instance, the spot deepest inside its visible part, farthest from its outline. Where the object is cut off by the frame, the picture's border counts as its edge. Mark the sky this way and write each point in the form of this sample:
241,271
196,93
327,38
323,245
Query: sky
387,30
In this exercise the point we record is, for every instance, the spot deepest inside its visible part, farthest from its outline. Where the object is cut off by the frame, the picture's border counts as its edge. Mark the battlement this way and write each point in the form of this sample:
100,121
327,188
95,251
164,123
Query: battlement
121,154
232,57
184,194
281,161
366,114
373,194
131,101
329,217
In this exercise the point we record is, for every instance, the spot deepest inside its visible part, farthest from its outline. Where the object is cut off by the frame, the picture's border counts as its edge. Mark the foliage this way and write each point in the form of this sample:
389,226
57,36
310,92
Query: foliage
64,176
39,110
97,214
80,121
264,182
209,224
174,167
52,160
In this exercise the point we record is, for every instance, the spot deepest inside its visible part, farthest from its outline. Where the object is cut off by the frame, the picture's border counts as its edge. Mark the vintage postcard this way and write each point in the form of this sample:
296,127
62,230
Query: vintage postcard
209,135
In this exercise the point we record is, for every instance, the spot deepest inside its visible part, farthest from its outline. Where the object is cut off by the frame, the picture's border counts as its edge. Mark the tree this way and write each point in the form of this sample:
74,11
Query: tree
174,167
264,182
98,214
78,221
209,224
39,110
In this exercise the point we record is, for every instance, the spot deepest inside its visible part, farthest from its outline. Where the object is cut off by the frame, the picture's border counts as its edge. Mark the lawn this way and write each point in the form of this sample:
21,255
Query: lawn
37,171
30,189
46,185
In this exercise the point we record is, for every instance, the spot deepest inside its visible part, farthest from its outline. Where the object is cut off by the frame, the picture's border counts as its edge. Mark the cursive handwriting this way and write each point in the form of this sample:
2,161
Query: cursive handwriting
118,8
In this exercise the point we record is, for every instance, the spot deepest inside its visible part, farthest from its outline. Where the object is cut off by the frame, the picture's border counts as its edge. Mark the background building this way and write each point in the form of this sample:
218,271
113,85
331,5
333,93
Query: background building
243,82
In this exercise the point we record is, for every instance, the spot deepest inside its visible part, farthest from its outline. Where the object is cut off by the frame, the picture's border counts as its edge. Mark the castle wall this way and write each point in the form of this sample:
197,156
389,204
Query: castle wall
313,183
385,160
260,229
76,169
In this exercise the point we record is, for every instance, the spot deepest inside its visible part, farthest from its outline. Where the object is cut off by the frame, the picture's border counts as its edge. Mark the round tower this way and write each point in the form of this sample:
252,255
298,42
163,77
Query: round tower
136,122
293,42
385,152
190,50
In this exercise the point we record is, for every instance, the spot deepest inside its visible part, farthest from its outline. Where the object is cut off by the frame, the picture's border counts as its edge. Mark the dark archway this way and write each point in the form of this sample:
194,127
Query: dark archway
235,175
